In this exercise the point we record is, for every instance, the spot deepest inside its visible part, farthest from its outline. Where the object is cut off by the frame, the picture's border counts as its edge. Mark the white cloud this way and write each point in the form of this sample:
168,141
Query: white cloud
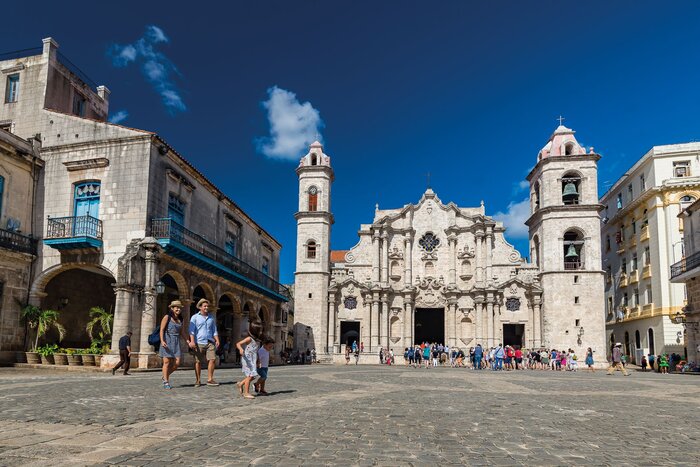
119,116
293,125
514,218
156,67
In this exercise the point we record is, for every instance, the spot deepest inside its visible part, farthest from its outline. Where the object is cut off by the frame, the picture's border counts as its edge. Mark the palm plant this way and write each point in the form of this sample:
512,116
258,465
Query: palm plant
42,321
103,320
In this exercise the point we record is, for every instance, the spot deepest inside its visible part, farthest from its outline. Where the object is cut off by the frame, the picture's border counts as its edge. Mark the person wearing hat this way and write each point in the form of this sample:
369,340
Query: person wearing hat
171,329
204,341
616,363
124,353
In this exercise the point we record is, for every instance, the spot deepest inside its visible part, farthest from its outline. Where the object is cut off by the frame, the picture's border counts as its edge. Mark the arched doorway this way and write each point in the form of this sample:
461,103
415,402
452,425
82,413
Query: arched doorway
73,292
627,343
224,324
197,294
172,292
651,342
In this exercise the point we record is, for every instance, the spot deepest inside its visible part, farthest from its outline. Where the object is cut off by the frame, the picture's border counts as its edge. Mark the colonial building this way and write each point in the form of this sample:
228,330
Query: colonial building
641,237
687,271
19,172
434,271
128,223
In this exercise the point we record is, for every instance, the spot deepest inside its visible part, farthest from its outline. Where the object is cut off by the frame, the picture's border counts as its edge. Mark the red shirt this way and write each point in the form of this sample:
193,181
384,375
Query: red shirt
518,353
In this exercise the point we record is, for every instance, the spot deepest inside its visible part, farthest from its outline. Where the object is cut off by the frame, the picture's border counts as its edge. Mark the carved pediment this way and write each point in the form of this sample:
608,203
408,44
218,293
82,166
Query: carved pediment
465,253
395,253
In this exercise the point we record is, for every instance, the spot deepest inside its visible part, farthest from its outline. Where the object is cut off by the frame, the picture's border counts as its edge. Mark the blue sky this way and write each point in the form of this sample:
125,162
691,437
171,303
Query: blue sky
468,91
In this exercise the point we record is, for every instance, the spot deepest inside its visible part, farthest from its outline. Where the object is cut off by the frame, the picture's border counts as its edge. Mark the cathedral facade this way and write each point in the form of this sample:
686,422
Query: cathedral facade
437,272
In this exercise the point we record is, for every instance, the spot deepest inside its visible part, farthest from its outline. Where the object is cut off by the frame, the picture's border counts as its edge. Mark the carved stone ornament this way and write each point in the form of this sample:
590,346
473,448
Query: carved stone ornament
513,304
465,312
465,253
350,303
430,283
513,290
395,311
429,256
349,257
395,253
351,288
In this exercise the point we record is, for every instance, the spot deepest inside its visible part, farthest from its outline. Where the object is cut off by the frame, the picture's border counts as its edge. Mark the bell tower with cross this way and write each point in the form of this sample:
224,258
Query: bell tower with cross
564,233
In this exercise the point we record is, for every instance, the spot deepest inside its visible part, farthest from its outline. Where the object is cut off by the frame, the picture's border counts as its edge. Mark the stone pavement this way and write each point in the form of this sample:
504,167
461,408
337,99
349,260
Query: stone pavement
366,415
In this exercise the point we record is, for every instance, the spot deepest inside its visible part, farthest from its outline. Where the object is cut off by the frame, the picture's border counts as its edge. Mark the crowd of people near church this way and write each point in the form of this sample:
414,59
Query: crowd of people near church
498,358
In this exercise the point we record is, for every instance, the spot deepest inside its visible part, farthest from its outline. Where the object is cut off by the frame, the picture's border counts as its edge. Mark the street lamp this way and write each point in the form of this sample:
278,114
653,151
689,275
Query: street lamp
160,287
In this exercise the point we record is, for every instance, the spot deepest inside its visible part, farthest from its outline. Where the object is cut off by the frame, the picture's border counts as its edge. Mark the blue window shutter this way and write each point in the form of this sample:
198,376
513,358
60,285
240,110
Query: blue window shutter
2,192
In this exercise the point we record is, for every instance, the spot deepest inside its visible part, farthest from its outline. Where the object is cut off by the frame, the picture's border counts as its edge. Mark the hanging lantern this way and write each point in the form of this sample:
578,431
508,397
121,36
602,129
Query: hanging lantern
572,252
570,190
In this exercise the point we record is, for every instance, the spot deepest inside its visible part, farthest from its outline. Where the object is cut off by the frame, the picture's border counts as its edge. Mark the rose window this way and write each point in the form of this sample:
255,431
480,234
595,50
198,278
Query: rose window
429,242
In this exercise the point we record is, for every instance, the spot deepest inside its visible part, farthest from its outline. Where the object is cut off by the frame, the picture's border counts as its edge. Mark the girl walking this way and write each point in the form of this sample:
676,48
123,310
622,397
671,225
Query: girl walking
170,332
249,359
589,360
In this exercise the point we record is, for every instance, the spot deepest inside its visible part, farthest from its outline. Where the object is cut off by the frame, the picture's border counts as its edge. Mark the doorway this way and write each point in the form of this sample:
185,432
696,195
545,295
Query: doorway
513,334
349,332
430,325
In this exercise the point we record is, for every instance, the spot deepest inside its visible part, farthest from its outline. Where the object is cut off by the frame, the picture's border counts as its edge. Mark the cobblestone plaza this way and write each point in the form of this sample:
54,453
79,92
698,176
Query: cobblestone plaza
367,415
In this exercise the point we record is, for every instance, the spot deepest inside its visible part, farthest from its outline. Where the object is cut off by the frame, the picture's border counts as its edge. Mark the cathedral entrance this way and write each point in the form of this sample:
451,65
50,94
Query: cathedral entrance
430,325
349,332
513,335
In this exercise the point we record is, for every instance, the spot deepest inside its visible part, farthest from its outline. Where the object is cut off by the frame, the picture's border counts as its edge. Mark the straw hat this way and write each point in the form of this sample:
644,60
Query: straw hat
175,303
202,302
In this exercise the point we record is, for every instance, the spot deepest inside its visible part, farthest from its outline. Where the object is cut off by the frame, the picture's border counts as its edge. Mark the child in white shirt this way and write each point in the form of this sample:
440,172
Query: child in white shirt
263,364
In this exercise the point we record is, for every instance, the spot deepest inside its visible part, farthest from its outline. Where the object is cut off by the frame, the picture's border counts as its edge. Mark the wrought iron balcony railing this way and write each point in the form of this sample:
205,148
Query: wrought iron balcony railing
171,230
686,264
73,227
17,242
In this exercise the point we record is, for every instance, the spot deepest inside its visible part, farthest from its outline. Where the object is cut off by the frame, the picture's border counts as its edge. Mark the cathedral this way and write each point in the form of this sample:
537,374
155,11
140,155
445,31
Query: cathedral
434,271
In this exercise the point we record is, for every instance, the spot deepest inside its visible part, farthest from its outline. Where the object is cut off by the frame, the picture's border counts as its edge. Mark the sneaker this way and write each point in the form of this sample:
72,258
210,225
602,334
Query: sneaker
197,384
166,385
212,383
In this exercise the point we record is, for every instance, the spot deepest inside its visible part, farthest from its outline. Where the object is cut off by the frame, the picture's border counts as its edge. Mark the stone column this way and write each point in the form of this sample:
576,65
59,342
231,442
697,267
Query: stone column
375,257
407,261
455,319
478,326
488,247
385,258
478,265
407,323
148,315
122,314
490,326
384,317
374,325
538,322
497,326
452,273
331,324
450,324
531,324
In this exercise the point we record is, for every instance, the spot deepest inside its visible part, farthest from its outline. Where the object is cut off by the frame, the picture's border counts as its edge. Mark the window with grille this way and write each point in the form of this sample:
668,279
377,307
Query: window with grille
311,250
78,105
681,169
176,209
429,242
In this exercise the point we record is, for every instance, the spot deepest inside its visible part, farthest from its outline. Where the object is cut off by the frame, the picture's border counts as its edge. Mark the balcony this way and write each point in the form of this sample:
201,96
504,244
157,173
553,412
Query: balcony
648,309
685,268
644,235
195,249
634,311
623,280
68,233
632,242
573,265
620,248
17,242
646,271
634,277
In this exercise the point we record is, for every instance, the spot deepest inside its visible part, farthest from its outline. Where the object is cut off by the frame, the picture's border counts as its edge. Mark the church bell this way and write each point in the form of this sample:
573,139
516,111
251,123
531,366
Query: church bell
572,252
570,189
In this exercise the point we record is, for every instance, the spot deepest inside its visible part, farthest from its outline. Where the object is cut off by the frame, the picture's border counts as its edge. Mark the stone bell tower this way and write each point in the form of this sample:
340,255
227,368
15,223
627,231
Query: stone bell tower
564,231
312,276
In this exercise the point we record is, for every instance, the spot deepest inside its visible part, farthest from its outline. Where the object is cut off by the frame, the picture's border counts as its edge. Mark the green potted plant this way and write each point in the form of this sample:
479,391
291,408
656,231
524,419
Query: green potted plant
42,321
73,357
61,357
99,328
46,352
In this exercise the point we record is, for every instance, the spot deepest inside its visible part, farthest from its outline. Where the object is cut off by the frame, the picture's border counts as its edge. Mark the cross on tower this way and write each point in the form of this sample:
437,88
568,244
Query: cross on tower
561,119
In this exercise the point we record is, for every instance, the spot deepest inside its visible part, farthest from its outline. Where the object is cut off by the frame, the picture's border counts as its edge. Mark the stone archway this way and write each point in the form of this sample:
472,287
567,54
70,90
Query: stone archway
73,290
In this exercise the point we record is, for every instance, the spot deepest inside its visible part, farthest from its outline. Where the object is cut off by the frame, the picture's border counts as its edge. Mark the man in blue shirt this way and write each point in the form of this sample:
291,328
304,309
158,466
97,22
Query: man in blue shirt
478,354
124,353
204,341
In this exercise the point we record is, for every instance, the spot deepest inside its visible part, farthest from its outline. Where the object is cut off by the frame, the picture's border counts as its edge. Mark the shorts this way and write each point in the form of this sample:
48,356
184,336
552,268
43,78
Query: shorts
205,352
262,372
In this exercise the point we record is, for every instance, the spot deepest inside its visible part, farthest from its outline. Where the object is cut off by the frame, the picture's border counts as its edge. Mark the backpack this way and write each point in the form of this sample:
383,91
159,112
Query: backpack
154,337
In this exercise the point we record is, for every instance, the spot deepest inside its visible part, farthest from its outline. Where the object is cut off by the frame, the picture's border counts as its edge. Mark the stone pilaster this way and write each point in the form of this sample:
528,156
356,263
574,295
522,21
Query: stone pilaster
374,325
407,261
488,247
375,257
332,316
385,258
148,314
452,273
122,314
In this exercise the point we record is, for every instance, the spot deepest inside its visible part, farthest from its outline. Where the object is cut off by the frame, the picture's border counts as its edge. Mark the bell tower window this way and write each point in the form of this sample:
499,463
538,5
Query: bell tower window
573,251
569,149
314,160
313,199
571,189
311,250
